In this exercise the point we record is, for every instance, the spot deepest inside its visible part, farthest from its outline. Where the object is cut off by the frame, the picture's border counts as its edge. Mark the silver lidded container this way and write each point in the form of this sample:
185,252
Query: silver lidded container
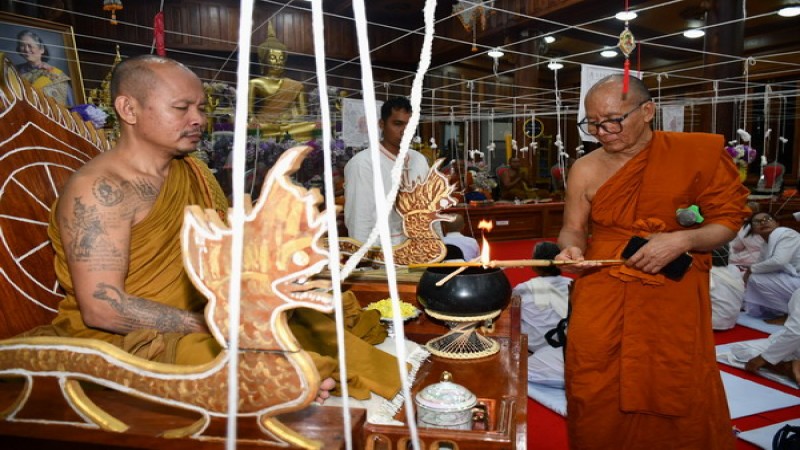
445,405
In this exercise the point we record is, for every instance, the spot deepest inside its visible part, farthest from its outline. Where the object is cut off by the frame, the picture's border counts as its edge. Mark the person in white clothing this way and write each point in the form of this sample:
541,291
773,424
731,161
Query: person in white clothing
772,280
782,354
745,248
727,290
452,235
360,213
544,299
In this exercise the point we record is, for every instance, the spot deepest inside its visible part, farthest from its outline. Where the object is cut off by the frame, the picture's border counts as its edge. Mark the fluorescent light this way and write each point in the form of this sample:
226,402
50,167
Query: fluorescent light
549,39
789,11
495,53
555,65
694,33
608,53
625,15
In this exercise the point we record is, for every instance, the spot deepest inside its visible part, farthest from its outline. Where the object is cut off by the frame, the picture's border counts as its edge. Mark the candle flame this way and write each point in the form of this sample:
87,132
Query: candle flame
487,226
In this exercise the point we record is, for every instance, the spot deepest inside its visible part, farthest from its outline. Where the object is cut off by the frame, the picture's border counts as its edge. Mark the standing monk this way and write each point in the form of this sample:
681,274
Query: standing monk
640,362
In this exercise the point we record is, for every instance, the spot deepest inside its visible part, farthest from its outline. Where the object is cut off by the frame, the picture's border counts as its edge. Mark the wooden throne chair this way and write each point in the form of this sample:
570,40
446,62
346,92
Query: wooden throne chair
69,393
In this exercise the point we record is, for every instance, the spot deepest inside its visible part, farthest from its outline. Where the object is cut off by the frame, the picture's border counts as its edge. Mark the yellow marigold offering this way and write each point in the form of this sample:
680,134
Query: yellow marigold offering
407,310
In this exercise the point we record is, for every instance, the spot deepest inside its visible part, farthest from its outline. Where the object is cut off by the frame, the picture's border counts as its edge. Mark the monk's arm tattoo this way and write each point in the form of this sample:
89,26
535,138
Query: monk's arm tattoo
135,313
89,241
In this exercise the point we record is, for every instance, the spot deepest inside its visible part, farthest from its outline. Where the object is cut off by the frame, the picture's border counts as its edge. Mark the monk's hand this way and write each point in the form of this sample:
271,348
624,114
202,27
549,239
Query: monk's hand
574,254
659,251
756,363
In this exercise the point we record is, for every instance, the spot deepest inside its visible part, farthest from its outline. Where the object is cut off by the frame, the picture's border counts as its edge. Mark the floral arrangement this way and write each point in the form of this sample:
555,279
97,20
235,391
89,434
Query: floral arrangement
742,154
91,113
262,154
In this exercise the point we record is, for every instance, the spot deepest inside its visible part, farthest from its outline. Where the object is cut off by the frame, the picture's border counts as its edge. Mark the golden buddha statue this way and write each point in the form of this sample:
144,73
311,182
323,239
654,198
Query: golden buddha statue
277,104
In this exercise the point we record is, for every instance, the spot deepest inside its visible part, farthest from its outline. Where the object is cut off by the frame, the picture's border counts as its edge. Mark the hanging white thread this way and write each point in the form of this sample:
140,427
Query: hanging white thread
237,218
330,211
384,207
714,107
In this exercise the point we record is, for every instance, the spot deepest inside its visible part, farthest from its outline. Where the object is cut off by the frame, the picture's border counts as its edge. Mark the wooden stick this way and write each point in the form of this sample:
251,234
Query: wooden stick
450,276
515,263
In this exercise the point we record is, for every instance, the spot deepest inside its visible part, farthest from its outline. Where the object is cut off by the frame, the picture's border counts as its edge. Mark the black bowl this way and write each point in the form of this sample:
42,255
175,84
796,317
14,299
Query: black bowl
475,291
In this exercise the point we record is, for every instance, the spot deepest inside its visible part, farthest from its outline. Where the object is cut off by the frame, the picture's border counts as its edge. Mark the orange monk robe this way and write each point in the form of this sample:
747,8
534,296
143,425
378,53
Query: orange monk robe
640,362
155,271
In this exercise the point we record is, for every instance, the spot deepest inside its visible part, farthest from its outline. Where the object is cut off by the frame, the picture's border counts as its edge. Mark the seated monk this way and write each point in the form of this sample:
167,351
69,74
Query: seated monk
116,234
514,182
277,104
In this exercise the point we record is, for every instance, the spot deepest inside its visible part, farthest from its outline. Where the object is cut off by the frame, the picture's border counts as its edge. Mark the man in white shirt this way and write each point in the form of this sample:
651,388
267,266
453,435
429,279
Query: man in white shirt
452,235
360,214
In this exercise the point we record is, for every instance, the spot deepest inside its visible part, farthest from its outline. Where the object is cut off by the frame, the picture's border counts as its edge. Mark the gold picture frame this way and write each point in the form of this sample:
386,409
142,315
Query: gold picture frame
61,54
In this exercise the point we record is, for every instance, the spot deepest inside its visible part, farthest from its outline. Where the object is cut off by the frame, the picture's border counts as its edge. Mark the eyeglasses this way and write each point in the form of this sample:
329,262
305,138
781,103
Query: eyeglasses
611,126
763,220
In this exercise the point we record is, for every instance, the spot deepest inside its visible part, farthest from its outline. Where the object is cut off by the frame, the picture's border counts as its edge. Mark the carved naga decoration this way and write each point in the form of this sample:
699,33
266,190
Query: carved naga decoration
282,234
419,203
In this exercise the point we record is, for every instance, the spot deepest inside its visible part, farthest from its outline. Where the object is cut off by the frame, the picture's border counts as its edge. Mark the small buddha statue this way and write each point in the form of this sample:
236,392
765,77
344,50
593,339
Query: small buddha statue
277,104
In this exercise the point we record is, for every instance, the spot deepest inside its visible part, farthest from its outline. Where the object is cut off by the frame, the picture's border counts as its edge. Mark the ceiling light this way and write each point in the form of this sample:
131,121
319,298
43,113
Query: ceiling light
694,33
608,53
555,65
495,53
789,11
625,15
549,39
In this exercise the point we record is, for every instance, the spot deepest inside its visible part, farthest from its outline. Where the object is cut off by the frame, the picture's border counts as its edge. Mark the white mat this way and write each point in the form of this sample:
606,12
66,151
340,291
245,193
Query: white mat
725,355
762,437
554,399
757,324
745,397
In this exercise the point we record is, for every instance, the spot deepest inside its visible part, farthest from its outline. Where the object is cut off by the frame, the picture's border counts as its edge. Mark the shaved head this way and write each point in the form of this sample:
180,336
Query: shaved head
137,76
637,91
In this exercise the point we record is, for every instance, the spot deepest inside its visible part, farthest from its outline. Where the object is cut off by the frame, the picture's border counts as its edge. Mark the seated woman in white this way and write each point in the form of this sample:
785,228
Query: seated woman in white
544,298
745,248
774,278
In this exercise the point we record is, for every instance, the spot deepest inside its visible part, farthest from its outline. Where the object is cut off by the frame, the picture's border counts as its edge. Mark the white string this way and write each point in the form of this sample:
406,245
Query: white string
330,212
237,218
767,129
382,205
659,111
559,143
750,61
714,107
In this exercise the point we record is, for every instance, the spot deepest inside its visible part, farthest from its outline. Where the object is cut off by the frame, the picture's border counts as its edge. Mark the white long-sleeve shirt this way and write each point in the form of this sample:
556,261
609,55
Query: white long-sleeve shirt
781,253
360,214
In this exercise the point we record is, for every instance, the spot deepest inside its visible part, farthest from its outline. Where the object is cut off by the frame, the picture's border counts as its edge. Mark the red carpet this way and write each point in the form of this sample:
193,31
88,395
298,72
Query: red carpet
547,430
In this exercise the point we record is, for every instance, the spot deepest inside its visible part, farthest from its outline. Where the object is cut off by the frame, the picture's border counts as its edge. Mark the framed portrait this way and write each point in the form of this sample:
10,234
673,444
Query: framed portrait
44,53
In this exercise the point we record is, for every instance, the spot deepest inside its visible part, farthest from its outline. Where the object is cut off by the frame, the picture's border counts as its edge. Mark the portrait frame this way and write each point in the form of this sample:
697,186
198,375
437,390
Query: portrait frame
58,38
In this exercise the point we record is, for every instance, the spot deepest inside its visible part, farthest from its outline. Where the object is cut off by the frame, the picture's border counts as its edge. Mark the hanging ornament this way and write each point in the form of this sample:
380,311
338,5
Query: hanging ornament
473,13
627,44
113,6
158,34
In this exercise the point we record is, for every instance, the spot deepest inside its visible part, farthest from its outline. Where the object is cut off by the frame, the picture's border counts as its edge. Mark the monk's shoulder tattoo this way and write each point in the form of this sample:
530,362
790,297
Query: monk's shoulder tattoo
144,188
107,191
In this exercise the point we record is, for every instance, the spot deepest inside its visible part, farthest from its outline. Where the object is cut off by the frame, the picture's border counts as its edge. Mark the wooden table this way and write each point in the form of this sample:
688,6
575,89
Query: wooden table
499,381
512,222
